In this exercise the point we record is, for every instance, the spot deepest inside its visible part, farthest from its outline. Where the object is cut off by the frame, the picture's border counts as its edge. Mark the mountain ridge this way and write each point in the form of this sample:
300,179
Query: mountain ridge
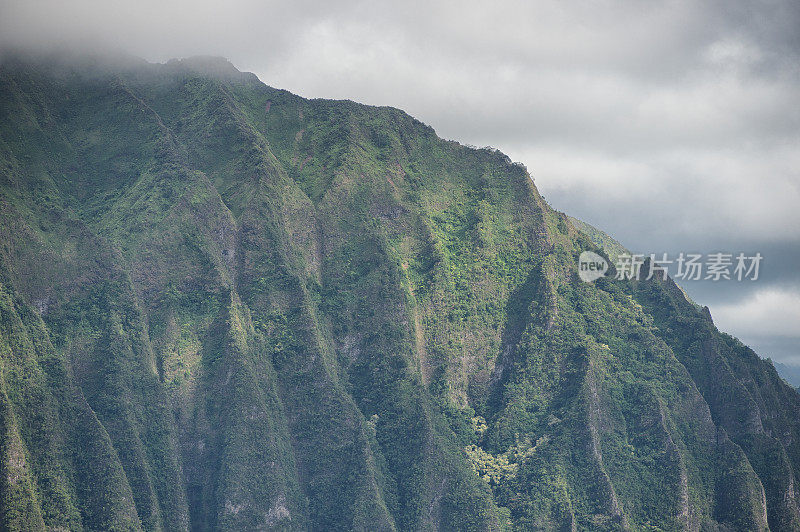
228,307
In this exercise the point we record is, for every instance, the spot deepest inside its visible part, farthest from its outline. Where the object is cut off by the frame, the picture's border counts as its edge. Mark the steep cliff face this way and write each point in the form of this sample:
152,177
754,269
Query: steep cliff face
223,306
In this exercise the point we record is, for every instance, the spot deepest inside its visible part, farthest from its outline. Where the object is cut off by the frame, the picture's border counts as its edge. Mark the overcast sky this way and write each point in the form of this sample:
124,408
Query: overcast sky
673,126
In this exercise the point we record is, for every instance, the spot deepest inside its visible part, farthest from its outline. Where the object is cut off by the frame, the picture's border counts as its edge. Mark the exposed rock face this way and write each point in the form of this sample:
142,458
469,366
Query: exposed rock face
225,307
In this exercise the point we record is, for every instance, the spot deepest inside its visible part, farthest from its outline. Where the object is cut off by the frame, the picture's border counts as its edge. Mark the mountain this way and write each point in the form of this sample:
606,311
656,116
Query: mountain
601,239
789,373
226,307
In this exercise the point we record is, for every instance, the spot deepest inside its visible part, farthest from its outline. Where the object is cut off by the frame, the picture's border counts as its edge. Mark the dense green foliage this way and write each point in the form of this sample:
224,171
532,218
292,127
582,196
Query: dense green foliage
226,307
601,239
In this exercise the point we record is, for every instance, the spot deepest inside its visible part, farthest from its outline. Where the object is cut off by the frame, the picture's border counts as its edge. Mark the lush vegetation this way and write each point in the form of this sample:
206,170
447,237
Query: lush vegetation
226,307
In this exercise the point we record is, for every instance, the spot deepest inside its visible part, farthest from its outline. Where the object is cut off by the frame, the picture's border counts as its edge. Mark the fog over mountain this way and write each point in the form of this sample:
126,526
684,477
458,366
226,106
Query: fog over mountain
315,266
673,126
227,307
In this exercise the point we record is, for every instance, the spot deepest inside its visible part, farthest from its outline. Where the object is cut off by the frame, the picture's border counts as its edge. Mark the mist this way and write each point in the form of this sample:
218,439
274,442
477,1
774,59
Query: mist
673,126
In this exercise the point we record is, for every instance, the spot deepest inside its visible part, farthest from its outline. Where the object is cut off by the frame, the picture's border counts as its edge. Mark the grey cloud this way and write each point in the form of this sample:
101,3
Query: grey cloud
674,126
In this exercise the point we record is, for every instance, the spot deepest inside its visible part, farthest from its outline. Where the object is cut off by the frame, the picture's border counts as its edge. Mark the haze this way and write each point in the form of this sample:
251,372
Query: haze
674,127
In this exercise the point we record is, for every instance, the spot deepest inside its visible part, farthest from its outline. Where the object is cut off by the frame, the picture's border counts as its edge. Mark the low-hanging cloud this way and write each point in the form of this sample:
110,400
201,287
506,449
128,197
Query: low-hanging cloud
673,125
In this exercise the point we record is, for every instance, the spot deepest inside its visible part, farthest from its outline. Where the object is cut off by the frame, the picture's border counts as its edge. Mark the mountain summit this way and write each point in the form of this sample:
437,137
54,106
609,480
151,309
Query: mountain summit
226,307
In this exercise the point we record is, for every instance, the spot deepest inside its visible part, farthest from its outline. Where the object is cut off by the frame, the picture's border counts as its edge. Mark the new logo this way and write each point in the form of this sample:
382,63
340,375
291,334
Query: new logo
591,266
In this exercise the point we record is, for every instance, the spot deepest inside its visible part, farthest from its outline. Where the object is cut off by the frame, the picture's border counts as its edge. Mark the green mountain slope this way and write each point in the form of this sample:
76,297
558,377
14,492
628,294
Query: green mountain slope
226,307
601,239
789,373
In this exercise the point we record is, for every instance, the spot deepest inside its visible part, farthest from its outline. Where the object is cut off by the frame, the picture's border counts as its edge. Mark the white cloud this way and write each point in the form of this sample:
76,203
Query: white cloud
671,125
766,312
